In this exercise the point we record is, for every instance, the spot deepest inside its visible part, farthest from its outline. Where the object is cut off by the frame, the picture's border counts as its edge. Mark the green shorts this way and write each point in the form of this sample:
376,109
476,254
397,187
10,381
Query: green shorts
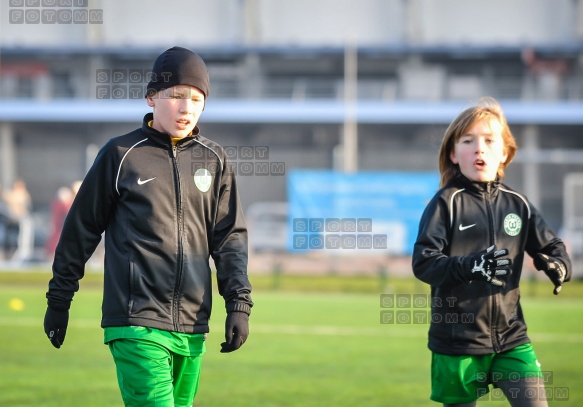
463,379
150,375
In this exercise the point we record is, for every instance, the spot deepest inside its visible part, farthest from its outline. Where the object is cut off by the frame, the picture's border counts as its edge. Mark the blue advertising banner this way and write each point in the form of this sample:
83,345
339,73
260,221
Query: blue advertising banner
359,213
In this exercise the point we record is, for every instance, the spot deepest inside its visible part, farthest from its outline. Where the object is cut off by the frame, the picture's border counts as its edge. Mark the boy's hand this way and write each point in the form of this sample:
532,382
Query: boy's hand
56,326
236,331
553,268
487,265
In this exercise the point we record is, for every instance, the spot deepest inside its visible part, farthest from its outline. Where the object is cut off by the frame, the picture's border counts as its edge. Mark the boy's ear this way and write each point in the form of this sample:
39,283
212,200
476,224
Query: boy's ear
150,100
453,158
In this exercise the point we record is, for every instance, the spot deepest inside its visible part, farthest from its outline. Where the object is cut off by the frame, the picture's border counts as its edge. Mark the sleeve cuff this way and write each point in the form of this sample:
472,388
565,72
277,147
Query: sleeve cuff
238,307
57,303
59,306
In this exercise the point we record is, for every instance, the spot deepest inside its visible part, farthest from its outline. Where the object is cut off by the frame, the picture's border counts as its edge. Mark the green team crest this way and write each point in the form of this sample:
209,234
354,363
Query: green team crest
512,224
203,179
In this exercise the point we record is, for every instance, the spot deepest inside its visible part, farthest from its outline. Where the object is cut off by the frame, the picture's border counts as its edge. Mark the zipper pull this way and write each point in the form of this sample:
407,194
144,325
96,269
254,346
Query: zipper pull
174,150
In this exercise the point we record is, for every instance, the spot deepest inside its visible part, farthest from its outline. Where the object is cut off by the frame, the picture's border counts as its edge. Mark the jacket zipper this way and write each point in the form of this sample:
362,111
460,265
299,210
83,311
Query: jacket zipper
494,314
176,295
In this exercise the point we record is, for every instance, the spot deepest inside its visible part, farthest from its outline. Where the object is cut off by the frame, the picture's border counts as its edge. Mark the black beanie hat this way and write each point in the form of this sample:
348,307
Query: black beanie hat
179,66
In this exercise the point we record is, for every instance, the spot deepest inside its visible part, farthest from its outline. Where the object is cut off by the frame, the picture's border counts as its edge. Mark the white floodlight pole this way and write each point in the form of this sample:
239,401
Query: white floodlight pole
350,130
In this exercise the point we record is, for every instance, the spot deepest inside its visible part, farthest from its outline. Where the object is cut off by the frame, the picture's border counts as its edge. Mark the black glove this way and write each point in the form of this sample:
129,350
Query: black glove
553,268
56,326
487,265
236,331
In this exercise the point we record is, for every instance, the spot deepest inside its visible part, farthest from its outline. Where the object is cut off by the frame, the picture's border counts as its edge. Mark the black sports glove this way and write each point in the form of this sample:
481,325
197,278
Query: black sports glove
553,268
236,331
487,265
56,326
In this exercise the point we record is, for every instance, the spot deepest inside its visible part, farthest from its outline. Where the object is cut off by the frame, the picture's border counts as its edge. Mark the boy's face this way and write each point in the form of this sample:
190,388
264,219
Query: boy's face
176,109
480,151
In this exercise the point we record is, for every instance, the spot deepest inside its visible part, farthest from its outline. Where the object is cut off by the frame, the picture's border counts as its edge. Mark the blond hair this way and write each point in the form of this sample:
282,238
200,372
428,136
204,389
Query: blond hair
486,108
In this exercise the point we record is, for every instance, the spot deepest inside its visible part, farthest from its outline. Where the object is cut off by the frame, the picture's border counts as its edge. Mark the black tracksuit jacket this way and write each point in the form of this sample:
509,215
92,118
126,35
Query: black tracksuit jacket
464,218
160,231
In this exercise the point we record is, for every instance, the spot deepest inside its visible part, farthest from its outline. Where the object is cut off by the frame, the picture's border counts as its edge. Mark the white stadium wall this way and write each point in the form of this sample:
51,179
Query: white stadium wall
307,23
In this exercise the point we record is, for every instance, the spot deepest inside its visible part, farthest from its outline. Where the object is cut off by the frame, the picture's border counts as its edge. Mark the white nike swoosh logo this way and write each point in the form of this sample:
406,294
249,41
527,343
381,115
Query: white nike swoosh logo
140,182
465,227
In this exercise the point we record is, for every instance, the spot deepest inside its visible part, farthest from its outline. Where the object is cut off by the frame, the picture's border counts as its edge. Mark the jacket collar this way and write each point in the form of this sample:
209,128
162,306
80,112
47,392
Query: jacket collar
164,138
482,188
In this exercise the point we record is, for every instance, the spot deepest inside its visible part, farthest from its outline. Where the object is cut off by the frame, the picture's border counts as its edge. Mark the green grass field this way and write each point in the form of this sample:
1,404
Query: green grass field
314,342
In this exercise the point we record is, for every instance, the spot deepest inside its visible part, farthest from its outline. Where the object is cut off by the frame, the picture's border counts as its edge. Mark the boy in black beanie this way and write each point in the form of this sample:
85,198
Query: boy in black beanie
167,200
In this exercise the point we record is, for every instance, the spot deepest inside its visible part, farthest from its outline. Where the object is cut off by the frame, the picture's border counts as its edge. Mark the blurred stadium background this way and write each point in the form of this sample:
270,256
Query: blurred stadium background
332,112
349,89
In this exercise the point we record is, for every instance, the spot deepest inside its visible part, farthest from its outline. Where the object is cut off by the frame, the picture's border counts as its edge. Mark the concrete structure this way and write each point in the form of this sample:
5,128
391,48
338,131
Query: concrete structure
278,81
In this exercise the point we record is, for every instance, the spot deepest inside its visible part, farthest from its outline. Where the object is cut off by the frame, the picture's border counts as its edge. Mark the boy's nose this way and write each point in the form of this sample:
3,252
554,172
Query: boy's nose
186,106
480,145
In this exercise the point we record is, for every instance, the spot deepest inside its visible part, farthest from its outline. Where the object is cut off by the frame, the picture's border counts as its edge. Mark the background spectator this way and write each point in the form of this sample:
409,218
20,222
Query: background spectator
4,221
19,240
59,209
